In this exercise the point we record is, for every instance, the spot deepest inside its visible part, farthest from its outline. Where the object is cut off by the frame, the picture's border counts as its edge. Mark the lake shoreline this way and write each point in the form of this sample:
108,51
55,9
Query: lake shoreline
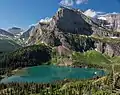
53,73
72,66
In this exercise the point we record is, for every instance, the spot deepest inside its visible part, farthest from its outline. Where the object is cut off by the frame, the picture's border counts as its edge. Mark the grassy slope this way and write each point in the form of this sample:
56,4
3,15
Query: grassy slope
91,57
116,59
94,57
116,62
8,45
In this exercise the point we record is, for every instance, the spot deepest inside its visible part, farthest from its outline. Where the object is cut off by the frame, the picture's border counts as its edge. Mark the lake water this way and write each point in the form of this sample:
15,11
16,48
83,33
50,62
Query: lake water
44,74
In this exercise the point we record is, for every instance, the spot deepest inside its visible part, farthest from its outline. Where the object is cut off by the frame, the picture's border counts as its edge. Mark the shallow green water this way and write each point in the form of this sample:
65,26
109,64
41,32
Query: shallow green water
49,73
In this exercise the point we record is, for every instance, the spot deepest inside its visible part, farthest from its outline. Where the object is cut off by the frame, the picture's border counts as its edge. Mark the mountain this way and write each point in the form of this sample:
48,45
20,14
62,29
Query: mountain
27,33
5,33
73,29
8,42
58,28
15,31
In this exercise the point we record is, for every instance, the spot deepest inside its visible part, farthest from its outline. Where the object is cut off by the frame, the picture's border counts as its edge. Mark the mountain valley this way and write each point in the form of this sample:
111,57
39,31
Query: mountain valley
70,38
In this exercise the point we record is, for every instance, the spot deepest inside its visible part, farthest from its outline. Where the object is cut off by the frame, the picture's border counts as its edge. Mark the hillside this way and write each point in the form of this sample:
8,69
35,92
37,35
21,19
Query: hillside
7,45
42,54
94,57
24,57
5,33
90,58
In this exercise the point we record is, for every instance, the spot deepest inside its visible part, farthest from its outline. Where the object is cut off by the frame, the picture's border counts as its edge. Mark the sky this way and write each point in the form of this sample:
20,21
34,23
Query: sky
23,13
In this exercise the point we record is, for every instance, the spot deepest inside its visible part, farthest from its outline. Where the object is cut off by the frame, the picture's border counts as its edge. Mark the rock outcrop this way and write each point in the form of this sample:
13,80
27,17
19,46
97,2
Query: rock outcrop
109,48
27,33
113,21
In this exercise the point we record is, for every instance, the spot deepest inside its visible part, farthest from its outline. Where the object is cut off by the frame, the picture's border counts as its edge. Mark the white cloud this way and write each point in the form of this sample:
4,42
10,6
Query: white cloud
46,20
72,2
78,2
101,12
67,2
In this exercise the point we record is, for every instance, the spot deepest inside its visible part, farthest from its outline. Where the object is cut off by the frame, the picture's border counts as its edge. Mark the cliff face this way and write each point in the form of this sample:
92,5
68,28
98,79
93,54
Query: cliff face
27,33
71,21
108,48
113,21
66,28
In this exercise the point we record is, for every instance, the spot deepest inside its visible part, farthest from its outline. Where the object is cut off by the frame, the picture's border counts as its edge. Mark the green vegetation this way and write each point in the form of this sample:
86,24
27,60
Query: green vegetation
94,57
80,43
101,86
24,57
116,59
106,39
7,45
42,54
91,58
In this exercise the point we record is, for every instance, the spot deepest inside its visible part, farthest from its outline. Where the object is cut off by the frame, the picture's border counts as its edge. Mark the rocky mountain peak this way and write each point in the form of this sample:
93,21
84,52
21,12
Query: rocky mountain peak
67,22
15,31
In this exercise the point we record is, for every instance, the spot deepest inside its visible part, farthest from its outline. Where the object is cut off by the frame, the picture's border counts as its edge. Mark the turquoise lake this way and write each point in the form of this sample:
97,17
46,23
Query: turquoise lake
45,74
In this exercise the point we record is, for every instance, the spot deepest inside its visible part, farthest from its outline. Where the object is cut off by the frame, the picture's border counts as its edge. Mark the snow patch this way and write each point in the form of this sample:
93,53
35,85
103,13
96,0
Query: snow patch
21,33
102,18
90,13
114,37
46,20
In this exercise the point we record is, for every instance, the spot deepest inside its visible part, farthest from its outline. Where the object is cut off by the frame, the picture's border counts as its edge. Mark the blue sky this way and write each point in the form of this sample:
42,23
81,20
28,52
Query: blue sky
23,13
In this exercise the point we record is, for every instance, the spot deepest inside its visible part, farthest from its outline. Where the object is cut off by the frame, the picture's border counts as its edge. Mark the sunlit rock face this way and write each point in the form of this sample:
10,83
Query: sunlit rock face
27,33
108,48
113,21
